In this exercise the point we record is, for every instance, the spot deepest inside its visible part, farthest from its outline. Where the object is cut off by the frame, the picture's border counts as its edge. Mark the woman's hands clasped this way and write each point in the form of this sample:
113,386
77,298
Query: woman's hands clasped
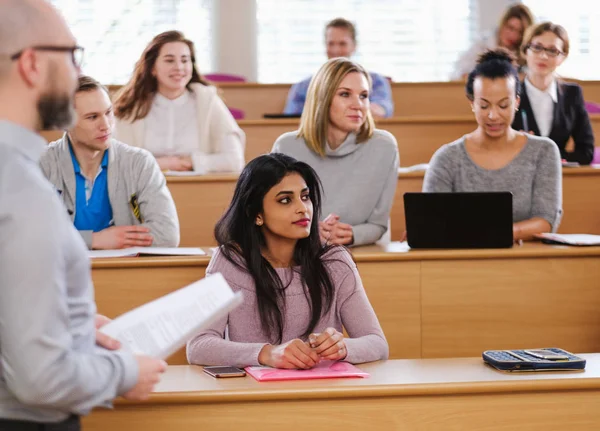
298,354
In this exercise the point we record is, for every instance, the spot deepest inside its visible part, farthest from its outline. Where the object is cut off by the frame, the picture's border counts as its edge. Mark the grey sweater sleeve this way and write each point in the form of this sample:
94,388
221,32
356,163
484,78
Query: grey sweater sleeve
547,186
156,203
39,364
377,223
438,177
366,341
49,163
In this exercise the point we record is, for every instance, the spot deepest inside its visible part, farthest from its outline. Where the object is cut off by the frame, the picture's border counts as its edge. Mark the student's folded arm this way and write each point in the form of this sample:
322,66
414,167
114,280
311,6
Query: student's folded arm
583,134
382,94
211,348
227,142
547,187
366,341
378,221
156,203
296,98
230,157
40,366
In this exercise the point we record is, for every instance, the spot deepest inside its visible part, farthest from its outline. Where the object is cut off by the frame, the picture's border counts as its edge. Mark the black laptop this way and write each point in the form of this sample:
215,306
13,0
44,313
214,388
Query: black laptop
459,220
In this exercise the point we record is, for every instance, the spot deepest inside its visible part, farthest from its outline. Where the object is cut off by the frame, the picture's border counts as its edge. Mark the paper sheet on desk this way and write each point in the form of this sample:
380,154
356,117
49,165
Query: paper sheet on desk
421,167
581,239
323,370
161,327
183,173
147,251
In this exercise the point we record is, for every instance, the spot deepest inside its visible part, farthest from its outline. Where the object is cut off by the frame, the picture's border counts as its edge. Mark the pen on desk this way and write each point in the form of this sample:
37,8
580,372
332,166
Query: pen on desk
524,120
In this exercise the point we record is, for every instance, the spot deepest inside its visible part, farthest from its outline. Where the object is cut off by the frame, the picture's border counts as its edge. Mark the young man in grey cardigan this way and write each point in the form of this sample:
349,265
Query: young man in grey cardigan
115,194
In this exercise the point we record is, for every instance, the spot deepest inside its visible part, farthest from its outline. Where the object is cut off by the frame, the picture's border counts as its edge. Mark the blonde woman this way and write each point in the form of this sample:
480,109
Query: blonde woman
168,109
509,34
357,164
550,107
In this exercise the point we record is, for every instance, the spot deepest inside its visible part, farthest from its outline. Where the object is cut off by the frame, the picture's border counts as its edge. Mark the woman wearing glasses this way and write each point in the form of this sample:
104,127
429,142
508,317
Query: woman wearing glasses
550,107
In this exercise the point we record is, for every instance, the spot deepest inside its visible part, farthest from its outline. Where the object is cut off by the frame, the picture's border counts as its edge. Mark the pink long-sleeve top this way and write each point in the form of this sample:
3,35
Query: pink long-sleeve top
350,309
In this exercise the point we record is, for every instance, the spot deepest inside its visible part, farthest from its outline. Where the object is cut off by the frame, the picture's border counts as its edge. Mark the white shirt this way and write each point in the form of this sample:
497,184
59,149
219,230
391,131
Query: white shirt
172,129
542,105
171,126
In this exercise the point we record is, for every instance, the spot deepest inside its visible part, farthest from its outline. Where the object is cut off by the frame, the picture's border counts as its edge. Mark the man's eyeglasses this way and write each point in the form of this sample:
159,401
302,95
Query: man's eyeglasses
76,52
538,49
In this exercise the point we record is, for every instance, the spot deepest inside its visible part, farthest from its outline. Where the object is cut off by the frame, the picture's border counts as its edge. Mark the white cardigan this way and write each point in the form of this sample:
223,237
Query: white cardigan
217,129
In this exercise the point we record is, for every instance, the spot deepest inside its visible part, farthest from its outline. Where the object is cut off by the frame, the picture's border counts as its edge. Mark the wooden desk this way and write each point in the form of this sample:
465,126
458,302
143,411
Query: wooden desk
452,394
418,137
410,98
581,208
430,303
200,202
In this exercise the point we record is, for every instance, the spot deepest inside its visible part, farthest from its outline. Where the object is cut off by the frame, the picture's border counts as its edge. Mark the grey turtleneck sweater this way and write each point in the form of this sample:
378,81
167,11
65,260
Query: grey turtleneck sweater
359,180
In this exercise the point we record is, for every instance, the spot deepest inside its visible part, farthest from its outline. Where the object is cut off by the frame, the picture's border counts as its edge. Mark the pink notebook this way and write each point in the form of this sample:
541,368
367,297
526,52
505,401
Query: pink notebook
324,370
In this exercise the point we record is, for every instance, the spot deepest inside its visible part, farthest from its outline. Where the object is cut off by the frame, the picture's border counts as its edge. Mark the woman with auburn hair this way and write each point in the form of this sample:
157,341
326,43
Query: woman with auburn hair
550,107
357,163
508,35
170,110
299,294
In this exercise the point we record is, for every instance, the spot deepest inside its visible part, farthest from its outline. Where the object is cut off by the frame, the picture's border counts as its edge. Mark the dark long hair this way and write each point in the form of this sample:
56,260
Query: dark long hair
239,236
133,101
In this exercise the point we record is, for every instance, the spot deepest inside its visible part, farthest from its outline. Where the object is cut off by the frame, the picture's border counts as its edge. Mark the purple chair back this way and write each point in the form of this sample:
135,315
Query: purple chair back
224,77
596,159
592,107
238,114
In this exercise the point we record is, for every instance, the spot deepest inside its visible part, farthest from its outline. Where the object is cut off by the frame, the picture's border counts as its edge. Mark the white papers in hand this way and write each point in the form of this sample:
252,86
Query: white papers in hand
161,327
147,251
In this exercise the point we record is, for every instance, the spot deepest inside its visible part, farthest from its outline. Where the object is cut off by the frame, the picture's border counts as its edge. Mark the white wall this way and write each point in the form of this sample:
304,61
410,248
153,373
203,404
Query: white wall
235,43
236,34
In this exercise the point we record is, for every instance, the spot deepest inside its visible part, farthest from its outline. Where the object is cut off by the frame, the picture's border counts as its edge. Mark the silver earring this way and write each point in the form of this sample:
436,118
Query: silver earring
259,223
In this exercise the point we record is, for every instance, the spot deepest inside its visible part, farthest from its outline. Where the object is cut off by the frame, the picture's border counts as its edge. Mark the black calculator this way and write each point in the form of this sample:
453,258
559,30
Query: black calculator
545,359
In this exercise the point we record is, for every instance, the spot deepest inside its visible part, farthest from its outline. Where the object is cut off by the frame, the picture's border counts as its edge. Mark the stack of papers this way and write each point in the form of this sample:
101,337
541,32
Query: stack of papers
147,251
580,239
161,327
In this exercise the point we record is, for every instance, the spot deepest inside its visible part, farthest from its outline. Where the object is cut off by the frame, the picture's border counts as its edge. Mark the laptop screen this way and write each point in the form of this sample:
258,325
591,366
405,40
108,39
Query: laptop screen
459,220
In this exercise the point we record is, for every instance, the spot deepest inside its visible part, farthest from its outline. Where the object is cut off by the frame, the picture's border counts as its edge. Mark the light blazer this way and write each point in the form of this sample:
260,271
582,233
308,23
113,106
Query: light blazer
215,123
130,171
570,119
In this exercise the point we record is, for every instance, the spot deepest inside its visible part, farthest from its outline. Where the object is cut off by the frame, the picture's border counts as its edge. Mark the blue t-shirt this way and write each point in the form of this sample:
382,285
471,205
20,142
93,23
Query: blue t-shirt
92,204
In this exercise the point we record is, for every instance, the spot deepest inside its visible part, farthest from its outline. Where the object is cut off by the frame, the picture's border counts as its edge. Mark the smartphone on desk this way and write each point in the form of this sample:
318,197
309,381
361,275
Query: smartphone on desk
223,372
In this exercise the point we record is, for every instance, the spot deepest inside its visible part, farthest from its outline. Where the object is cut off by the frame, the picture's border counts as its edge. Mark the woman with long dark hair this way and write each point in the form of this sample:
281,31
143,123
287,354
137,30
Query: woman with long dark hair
299,294
170,110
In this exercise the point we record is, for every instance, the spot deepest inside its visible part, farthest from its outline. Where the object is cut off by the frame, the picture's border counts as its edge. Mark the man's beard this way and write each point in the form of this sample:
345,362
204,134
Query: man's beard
55,110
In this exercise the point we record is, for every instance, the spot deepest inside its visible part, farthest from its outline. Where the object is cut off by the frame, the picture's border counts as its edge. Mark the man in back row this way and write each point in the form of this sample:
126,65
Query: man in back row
51,370
340,41
116,194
